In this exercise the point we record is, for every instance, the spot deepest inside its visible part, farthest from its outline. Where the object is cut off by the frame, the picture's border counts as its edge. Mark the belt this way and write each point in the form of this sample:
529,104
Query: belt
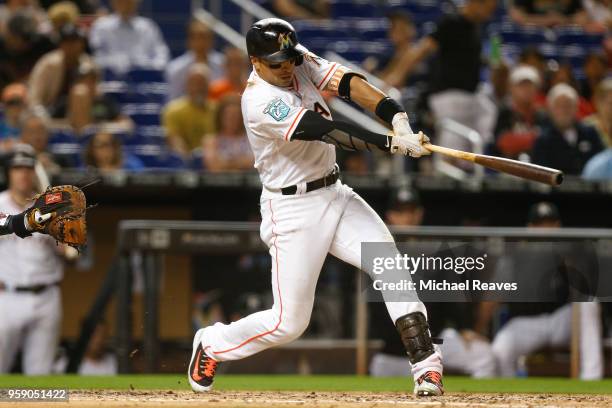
328,180
36,289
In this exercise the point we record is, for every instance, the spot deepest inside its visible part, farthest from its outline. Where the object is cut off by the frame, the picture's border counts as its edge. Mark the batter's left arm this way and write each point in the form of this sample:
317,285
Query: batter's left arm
354,87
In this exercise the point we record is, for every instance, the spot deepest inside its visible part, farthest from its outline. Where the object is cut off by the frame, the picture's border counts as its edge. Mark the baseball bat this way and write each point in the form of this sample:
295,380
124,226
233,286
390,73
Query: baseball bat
517,168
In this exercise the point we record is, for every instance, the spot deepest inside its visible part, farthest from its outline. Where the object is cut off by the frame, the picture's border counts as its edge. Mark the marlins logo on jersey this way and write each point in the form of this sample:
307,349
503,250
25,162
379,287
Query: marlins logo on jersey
285,41
277,109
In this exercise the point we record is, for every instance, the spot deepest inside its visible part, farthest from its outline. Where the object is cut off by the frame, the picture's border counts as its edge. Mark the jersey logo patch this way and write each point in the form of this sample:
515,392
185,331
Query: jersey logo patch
278,109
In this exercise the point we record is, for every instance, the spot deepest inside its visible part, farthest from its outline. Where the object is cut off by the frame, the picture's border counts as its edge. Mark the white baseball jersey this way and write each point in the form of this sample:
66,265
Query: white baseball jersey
29,261
271,115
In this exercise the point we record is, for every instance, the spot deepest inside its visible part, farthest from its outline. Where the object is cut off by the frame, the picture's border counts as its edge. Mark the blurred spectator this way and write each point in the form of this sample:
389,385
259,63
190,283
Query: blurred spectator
61,14
20,48
83,6
14,104
34,132
390,68
601,120
235,78
500,80
229,148
200,42
30,273
301,9
564,74
55,74
519,122
566,144
456,71
595,69
123,40
30,7
405,208
547,13
533,57
599,167
89,106
188,118
599,14
530,55
104,153
464,350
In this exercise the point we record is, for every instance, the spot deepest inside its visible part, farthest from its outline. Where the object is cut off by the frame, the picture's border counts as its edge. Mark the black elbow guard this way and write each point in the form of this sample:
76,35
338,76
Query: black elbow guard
344,87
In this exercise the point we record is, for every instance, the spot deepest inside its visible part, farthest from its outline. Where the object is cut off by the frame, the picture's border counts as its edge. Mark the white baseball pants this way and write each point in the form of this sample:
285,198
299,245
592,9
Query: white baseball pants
30,322
300,231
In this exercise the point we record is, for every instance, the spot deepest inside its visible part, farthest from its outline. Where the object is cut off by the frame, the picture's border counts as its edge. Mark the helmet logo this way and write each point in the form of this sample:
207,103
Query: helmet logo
285,41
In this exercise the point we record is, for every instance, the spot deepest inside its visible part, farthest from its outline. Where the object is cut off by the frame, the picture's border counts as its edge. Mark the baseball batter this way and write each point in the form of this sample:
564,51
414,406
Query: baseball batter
306,211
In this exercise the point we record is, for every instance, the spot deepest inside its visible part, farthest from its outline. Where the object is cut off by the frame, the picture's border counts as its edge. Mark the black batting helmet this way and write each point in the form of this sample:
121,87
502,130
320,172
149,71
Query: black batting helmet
274,40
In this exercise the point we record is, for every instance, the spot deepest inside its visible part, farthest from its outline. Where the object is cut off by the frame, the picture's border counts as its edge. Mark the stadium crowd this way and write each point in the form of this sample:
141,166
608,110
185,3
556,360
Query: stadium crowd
94,86
91,87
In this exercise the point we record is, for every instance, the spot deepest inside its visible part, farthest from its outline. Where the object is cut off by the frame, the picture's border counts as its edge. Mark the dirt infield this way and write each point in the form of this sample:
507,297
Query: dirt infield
255,399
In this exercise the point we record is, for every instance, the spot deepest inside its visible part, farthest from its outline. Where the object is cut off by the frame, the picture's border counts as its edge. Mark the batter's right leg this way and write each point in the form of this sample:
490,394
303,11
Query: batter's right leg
360,223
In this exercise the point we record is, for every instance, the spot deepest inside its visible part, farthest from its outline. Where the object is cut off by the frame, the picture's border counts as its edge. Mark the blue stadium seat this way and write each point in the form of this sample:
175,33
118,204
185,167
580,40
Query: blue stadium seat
118,90
354,8
196,161
143,114
321,28
155,156
575,35
371,29
151,135
64,136
69,154
145,75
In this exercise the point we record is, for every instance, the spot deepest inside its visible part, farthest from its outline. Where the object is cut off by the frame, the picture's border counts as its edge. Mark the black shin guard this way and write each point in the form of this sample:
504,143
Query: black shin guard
414,332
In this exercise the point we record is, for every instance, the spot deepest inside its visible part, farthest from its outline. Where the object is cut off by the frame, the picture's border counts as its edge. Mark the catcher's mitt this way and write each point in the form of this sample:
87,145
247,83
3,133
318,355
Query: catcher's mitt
60,213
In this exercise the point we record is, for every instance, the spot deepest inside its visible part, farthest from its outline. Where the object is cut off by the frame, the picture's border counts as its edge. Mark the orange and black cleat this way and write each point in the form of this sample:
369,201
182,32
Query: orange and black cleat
201,368
429,385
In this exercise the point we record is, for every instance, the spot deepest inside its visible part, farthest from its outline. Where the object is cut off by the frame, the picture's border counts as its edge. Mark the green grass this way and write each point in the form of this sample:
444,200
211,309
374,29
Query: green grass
311,383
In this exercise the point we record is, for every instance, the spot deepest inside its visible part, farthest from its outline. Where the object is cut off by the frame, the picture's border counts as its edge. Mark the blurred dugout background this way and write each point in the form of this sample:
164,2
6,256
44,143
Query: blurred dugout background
96,98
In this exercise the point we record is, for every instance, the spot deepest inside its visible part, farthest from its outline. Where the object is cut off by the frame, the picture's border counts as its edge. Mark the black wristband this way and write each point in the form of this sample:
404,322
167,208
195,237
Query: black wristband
387,108
16,224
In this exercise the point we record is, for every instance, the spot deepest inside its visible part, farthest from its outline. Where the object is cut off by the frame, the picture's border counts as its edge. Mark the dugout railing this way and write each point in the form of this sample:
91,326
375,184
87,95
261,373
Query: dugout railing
152,239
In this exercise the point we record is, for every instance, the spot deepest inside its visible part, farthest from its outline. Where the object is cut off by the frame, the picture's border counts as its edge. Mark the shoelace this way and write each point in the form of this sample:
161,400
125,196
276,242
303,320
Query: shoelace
210,366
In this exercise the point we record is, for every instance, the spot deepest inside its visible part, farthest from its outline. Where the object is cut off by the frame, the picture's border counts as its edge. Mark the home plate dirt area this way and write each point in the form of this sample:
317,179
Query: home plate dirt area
282,399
